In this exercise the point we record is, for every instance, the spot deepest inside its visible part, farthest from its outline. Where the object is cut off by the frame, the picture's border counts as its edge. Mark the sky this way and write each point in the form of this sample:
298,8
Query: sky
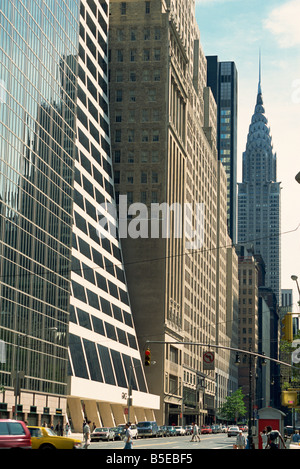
237,30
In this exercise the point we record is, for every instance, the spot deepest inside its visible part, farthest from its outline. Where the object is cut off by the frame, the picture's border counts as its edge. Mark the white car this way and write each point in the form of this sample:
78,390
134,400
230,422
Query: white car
233,431
180,430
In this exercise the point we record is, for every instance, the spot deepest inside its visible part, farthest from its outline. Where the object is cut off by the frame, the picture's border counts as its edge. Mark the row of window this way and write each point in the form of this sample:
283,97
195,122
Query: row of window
144,156
98,363
145,34
146,136
134,55
133,75
130,177
124,8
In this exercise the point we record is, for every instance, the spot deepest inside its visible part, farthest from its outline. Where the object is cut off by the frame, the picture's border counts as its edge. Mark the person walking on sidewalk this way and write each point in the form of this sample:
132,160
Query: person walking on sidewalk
87,435
195,436
128,436
240,440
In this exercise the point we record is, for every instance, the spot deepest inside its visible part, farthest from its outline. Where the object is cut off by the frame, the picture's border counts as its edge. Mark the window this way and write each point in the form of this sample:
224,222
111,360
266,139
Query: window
119,76
156,54
154,177
132,55
119,96
147,8
118,135
143,177
130,178
133,35
120,55
132,76
146,34
146,55
123,8
155,136
145,136
131,135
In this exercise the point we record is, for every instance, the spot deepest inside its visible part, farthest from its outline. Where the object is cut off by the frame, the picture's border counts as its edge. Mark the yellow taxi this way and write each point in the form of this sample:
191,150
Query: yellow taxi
45,438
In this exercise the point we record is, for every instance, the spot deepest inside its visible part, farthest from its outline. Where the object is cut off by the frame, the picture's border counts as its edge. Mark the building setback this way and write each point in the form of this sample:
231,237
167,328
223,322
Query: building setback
163,135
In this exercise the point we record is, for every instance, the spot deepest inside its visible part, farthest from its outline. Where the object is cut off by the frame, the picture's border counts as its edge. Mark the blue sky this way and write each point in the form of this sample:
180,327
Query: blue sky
235,30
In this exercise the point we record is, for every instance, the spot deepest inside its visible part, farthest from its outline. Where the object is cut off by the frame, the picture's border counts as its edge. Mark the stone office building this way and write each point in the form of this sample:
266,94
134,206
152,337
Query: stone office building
163,135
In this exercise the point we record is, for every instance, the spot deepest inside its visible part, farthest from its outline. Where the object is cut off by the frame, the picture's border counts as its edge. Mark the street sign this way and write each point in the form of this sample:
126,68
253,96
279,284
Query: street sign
208,360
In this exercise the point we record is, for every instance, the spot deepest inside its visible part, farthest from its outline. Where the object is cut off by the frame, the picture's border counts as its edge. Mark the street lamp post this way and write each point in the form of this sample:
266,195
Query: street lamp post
295,278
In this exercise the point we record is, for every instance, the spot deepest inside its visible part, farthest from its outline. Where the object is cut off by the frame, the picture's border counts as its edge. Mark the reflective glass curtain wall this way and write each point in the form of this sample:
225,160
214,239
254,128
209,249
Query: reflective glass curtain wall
38,69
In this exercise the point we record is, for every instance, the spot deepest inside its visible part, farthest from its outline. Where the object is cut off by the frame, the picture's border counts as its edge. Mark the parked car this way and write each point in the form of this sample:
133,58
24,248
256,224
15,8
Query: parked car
46,438
133,429
148,428
180,430
119,433
102,433
161,431
233,431
216,429
188,429
206,429
14,434
171,430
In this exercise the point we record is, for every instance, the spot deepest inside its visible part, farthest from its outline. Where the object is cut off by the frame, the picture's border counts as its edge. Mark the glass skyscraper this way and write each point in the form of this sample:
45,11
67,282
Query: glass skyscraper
223,80
38,50
65,315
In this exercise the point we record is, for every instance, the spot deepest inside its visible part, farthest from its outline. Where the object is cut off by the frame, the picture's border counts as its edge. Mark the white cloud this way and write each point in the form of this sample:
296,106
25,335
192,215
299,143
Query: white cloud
283,22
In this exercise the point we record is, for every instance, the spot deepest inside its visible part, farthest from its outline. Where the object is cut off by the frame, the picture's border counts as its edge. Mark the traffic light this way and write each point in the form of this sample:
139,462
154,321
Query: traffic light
287,328
147,357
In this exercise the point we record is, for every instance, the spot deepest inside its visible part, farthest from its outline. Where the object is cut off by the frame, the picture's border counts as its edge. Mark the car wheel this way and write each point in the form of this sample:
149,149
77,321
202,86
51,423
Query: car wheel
47,446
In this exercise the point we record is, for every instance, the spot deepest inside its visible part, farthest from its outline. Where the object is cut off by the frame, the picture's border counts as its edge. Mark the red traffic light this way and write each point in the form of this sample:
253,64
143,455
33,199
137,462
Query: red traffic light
147,357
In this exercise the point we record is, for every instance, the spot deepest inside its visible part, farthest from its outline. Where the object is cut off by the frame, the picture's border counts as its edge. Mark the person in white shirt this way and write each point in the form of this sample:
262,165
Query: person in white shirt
128,436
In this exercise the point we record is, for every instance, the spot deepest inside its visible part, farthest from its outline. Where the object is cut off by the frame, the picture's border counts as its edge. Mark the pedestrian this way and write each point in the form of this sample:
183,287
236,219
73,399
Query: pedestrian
264,439
273,438
296,437
195,433
67,429
86,435
240,441
128,436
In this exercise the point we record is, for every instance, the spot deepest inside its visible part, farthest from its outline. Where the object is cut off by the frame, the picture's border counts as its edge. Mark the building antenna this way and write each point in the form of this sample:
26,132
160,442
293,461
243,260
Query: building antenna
259,81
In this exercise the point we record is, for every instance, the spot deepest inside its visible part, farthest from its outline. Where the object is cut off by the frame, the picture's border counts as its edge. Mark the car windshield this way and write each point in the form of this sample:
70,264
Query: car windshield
101,429
144,424
50,432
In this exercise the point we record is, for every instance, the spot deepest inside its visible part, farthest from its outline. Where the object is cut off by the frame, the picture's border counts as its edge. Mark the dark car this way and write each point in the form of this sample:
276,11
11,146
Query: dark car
171,431
147,428
119,433
14,434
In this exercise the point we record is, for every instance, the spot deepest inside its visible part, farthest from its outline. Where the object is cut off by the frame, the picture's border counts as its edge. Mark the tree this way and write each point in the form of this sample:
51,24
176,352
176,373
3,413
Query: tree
234,406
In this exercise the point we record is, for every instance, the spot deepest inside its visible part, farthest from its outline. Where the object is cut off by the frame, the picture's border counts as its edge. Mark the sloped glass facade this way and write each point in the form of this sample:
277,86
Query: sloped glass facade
38,69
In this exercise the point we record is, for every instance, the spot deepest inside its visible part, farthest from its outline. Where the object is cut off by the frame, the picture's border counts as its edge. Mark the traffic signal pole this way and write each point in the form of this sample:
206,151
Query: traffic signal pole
254,354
